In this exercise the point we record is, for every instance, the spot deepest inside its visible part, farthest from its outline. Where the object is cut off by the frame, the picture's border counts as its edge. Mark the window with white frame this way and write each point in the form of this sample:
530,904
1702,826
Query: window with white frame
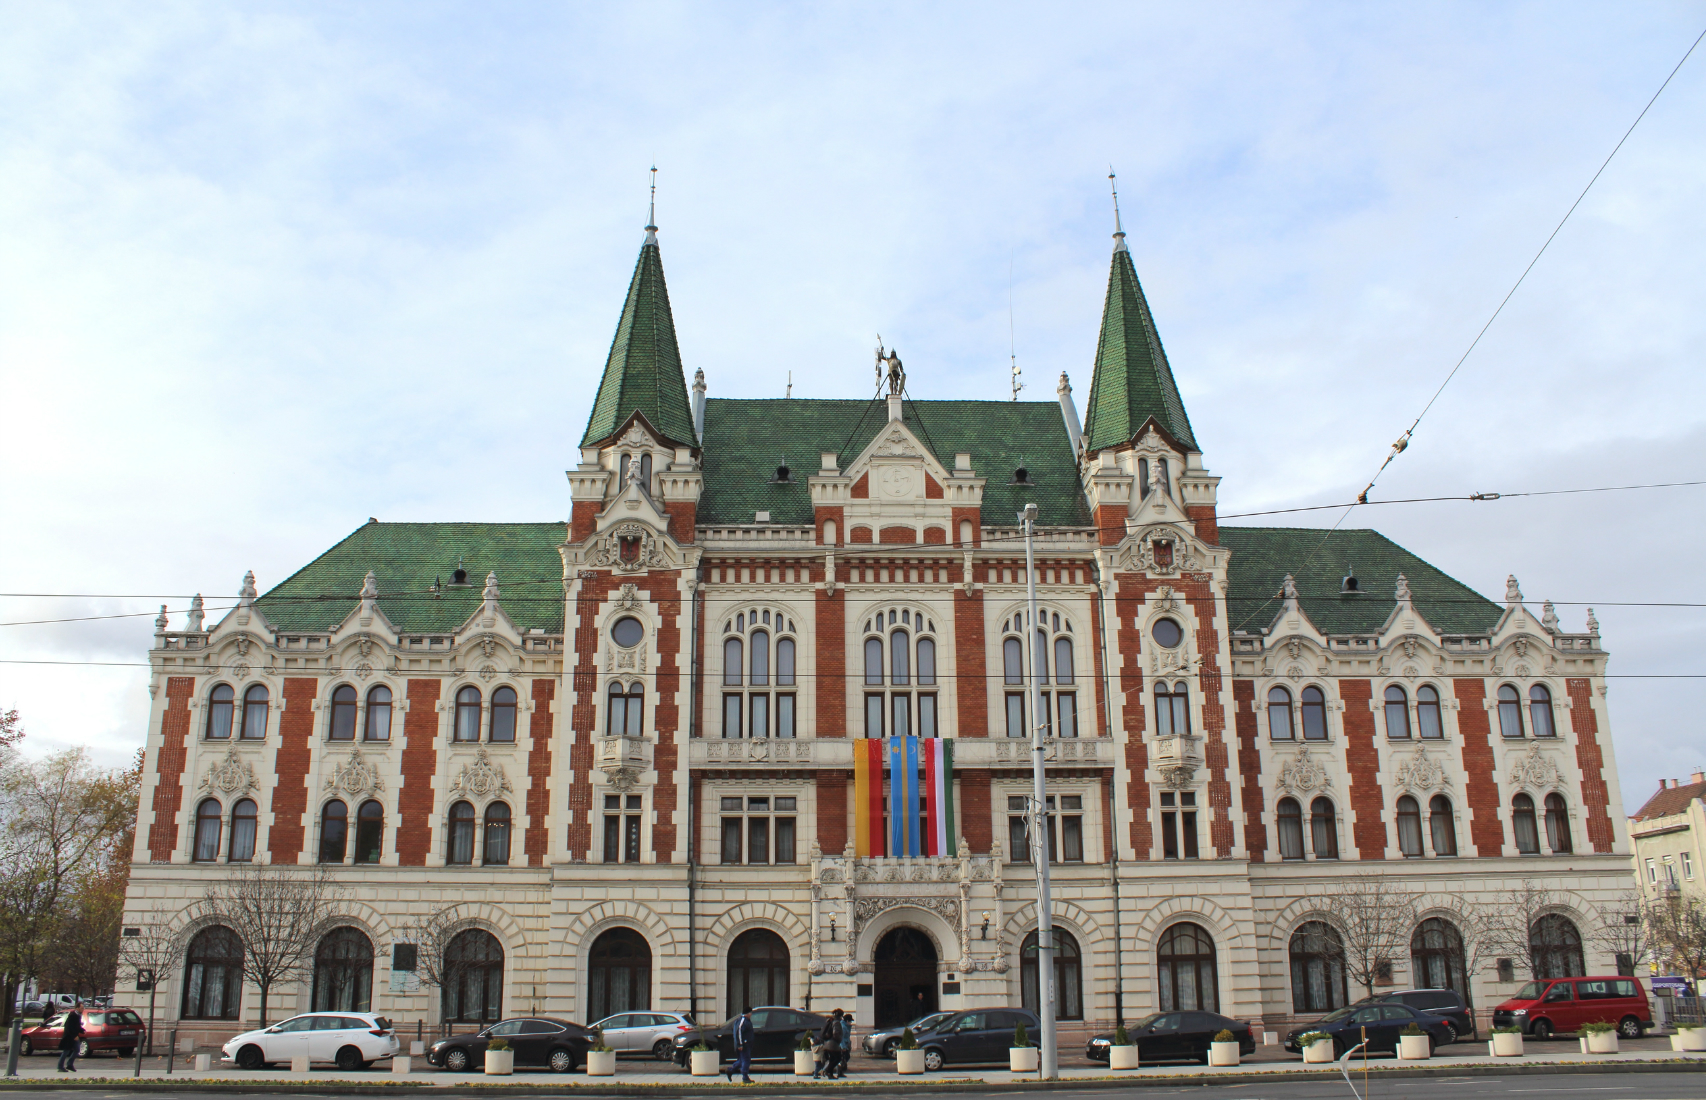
1688,866
1179,825
759,829
1053,657
900,674
622,815
759,655
1065,828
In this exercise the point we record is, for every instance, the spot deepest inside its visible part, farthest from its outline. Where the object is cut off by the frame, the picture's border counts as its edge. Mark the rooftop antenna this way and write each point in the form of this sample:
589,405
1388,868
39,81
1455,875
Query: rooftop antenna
1119,231
1012,342
790,392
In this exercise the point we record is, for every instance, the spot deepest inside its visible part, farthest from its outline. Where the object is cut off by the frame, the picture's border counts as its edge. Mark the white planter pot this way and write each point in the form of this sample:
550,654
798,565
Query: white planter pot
1321,1050
299,1064
703,1063
1603,1042
909,1061
203,1062
1413,1048
804,1063
1223,1054
500,1063
401,1063
1691,1038
1023,1059
1122,1057
601,1063
1507,1045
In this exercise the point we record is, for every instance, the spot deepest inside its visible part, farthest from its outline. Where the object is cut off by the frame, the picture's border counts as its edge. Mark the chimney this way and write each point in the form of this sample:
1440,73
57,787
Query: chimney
1697,777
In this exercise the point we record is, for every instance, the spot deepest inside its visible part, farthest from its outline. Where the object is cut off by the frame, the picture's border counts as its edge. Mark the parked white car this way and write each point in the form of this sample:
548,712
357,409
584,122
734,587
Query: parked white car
644,1032
350,1040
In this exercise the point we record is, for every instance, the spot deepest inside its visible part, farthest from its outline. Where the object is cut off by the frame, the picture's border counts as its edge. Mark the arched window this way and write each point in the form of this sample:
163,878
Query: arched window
1397,714
1187,970
1558,825
1523,824
369,832
243,819
378,713
497,835
873,661
343,713
927,664
468,714
460,848
1290,829
255,713
646,472
734,662
760,659
627,709
1427,713
1279,714
900,711
1317,968
213,975
1510,711
900,659
1442,826
965,532
207,825
219,707
1540,711
1436,956
334,830
1068,975
1323,829
1063,660
473,977
502,727
829,533
1555,948
758,970
343,972
1012,661
1314,714
619,974
785,661
1410,827
1172,709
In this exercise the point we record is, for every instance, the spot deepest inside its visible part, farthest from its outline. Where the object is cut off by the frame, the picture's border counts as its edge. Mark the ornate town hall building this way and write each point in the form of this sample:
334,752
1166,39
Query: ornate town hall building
626,756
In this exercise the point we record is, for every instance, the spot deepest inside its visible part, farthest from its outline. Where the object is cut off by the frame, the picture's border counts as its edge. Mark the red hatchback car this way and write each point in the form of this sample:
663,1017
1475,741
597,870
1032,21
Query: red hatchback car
117,1029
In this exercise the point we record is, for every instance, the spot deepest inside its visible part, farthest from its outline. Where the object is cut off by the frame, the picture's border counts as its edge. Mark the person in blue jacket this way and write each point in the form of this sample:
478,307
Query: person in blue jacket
743,1047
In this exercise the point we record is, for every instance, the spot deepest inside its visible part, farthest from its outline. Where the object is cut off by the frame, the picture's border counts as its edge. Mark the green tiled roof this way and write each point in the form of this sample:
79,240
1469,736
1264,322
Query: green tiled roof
643,372
1132,381
745,440
408,558
1262,556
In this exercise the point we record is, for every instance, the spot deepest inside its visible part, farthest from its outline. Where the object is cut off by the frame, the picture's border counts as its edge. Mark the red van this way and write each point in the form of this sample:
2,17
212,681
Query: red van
1550,1005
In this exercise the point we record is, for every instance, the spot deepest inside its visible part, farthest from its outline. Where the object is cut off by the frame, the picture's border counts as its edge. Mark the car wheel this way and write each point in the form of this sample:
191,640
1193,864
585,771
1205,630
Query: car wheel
26,1048
1542,1029
932,1060
1450,1032
84,1050
456,1061
663,1049
250,1057
562,1060
349,1059
1629,1028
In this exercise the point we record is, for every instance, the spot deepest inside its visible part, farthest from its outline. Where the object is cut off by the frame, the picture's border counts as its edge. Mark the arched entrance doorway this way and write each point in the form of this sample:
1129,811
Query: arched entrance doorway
903,983
619,969
758,971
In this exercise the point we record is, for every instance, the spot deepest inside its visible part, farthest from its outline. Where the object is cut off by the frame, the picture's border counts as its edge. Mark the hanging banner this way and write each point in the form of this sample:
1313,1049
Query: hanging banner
868,798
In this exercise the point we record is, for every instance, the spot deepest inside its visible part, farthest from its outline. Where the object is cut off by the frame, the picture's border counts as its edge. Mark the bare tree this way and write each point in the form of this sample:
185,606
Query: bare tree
1679,932
1374,921
1510,926
155,948
431,936
279,913
1625,932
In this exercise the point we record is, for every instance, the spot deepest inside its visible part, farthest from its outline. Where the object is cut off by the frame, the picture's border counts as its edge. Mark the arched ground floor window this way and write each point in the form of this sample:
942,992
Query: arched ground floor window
1068,975
1555,948
343,972
1317,968
1185,969
758,970
619,974
213,975
473,977
1436,956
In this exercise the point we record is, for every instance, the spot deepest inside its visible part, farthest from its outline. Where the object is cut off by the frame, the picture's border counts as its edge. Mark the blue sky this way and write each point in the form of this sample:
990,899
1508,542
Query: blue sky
270,270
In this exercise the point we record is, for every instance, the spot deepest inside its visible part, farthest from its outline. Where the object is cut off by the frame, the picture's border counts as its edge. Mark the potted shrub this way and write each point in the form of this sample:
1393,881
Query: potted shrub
702,1061
1414,1044
1689,1037
804,1060
1507,1042
1601,1037
1022,1056
1224,1050
600,1057
1317,1046
500,1059
1123,1053
908,1058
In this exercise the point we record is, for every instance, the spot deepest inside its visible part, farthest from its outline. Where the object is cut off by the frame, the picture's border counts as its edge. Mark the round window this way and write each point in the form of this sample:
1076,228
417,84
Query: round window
628,631
1167,633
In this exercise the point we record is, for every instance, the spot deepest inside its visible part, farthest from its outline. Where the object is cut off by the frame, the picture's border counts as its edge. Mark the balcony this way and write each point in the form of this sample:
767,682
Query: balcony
614,755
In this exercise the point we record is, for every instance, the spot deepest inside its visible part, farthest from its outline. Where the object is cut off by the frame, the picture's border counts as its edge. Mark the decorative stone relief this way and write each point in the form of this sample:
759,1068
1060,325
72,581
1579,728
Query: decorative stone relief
487,673
1178,777
242,670
230,775
865,909
897,444
630,547
480,779
1421,772
356,776
629,598
1535,769
364,670
1304,773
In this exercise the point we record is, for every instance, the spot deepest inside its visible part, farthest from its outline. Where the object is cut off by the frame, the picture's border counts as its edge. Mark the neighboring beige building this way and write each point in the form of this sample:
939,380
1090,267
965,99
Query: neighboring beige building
1666,834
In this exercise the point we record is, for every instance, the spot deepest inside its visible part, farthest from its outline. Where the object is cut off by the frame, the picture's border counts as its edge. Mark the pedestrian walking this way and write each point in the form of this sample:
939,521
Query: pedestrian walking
846,1023
829,1045
70,1036
743,1047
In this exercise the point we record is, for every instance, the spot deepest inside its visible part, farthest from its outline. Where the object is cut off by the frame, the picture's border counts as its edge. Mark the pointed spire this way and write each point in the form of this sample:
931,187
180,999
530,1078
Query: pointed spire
1119,231
1132,381
643,373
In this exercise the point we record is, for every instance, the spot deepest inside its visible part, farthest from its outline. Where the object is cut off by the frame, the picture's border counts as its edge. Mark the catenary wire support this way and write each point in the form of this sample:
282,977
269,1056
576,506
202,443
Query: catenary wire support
1048,1067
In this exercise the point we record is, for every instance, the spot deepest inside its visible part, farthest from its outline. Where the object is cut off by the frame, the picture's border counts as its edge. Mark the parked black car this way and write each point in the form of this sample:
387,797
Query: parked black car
1175,1036
1385,1022
537,1041
981,1035
882,1043
775,1032
1441,1002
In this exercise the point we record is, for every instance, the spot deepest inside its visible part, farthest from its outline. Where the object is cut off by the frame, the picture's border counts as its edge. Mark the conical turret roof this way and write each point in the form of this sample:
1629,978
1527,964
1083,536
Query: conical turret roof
1133,381
643,373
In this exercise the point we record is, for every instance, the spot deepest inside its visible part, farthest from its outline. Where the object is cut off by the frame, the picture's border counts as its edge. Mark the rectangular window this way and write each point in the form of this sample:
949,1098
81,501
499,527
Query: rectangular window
732,706
758,840
731,839
902,711
1188,823
927,716
1169,826
785,716
759,726
1072,838
1670,871
1068,706
1015,714
612,838
1018,834
1047,715
1652,872
784,836
631,838
1687,866
873,716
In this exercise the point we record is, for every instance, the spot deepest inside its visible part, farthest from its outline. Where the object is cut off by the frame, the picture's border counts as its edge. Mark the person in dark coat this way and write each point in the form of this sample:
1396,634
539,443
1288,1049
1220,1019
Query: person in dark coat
829,1045
846,1025
70,1036
743,1038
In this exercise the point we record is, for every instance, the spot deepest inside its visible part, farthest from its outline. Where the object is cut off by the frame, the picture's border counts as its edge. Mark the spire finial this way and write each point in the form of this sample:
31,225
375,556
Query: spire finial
1119,231
652,211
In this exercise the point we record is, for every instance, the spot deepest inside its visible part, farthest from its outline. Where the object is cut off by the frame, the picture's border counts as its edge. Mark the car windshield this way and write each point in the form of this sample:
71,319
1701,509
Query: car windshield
929,1021
1335,1017
1529,992
1146,1021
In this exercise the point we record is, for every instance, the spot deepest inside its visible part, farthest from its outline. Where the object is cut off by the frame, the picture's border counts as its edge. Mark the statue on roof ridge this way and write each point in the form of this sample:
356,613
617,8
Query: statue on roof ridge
246,595
1289,587
1549,617
1402,592
1513,594
160,623
197,612
896,374
370,586
490,595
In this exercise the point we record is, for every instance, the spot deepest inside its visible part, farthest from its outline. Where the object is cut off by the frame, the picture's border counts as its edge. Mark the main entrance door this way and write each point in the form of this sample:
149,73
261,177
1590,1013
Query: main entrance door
905,977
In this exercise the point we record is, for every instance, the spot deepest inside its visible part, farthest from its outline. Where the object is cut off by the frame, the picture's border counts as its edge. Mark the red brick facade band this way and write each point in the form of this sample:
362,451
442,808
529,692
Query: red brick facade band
583,519
296,747
420,764
822,515
862,488
1108,810
1101,673
1129,591
831,642
1207,525
859,534
831,811
935,536
1110,523
1248,730
977,821
970,666
1198,590
665,591
1481,787
696,807
583,710
1362,760
169,765
932,488
682,517
539,729
1590,758
972,515
894,536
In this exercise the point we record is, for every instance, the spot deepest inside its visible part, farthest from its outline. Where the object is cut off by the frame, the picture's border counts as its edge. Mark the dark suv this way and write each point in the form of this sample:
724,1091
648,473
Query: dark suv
981,1035
1440,1002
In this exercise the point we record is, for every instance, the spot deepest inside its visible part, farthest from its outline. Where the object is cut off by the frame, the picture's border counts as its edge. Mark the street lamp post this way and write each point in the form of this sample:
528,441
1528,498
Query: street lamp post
1048,1063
